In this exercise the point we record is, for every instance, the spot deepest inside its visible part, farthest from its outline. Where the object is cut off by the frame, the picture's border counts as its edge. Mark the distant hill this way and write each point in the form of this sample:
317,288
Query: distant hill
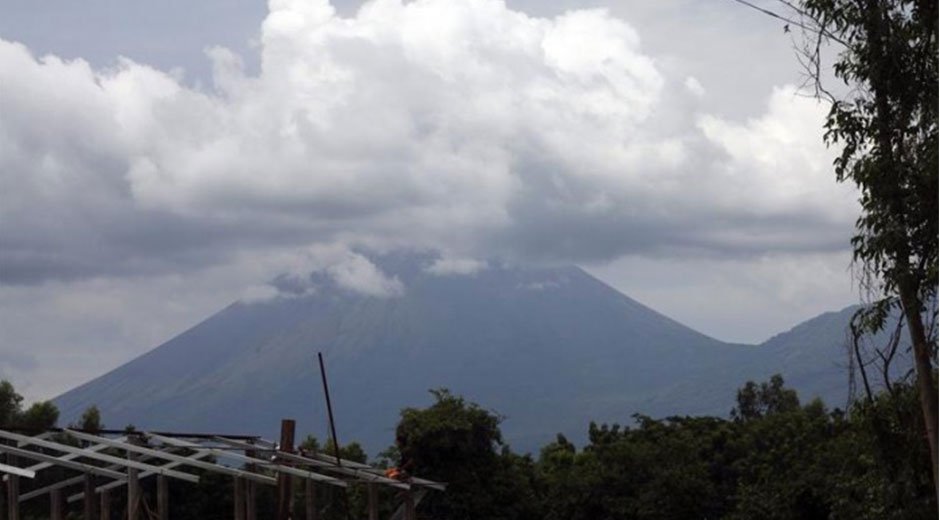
549,348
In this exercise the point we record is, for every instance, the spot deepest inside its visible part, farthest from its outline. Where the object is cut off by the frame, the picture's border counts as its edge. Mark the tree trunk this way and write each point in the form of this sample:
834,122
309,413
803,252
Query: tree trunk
924,370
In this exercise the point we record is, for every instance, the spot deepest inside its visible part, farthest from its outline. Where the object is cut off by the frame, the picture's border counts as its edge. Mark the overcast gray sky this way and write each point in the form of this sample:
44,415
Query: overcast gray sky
159,160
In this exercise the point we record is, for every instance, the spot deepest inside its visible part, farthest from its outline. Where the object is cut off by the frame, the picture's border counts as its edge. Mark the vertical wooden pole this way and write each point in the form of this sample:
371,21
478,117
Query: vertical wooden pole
373,492
163,497
284,487
251,494
310,500
55,504
133,488
238,501
89,497
409,506
13,492
105,509
251,499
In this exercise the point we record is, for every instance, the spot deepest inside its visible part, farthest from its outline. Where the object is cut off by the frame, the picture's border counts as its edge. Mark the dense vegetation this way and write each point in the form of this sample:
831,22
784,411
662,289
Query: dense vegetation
773,458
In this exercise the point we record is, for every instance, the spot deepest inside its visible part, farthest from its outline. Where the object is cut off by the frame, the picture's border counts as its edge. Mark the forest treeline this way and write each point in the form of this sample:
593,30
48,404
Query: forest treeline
772,458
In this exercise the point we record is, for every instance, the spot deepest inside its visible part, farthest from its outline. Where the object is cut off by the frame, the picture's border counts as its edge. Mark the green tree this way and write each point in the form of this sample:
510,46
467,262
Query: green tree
460,443
11,404
767,398
90,420
887,128
40,416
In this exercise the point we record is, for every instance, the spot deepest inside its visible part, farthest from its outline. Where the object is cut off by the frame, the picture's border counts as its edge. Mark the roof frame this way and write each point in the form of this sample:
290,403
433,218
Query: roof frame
252,460
332,466
90,454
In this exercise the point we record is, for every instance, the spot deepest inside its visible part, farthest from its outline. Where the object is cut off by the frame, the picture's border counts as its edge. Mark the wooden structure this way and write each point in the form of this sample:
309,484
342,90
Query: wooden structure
93,465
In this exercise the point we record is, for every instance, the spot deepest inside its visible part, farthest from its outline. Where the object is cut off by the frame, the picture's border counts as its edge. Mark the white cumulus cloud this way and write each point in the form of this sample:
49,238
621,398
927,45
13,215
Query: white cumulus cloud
458,125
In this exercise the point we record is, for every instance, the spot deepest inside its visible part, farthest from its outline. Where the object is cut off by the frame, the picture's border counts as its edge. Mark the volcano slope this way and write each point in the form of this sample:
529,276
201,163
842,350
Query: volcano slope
549,349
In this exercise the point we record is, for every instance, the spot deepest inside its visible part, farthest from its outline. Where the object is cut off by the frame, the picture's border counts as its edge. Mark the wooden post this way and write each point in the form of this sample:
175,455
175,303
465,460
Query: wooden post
251,492
105,509
409,506
133,488
163,497
55,504
284,487
238,501
89,497
251,498
13,492
310,500
373,492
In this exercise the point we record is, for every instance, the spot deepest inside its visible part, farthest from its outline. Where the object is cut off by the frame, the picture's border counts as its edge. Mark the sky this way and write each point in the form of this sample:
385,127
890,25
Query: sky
159,160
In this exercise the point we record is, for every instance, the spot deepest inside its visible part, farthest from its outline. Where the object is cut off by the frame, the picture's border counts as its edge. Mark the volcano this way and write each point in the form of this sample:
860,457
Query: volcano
548,348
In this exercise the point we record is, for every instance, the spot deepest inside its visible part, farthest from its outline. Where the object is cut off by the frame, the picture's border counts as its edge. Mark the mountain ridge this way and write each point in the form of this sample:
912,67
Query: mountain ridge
549,348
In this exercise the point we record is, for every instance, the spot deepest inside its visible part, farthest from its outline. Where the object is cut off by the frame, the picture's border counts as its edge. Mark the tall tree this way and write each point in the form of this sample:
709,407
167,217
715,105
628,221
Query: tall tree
460,443
887,128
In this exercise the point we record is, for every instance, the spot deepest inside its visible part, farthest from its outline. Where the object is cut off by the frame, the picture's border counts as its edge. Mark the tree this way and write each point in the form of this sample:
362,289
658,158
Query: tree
768,398
90,420
887,128
39,417
460,443
11,404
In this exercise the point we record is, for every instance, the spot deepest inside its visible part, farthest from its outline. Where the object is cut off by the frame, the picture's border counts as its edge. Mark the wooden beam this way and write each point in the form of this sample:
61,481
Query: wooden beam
163,498
13,493
252,460
284,488
59,462
238,501
373,493
133,488
55,505
89,504
71,456
92,454
440,486
304,460
20,472
251,500
105,509
409,506
310,500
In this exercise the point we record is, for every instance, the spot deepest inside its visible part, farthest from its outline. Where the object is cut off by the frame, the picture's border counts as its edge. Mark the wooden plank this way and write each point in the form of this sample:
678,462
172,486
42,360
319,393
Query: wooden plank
20,472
